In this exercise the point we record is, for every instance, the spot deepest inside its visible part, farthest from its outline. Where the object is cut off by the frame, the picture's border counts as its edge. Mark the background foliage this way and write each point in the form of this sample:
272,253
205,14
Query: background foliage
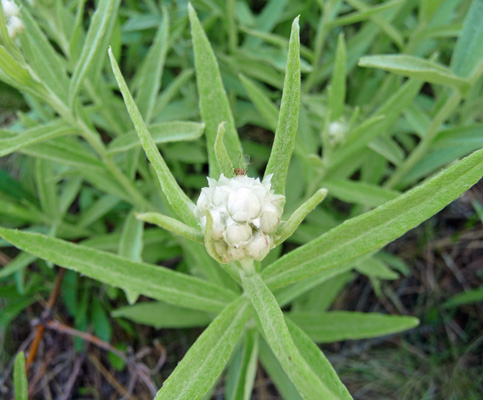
391,93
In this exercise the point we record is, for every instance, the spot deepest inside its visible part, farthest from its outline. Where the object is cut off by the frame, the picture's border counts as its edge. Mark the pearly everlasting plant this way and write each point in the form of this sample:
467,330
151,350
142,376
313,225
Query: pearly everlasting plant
231,233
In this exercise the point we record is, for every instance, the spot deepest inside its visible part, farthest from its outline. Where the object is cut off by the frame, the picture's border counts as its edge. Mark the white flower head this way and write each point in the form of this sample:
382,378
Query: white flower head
337,131
14,23
245,213
10,9
14,26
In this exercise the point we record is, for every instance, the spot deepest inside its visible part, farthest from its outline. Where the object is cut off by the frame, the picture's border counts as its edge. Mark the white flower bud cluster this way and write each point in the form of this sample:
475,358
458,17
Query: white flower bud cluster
337,131
246,214
11,12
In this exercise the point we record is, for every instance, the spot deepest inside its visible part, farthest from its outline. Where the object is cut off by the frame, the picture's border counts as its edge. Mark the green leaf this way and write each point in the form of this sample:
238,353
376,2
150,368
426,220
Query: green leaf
131,245
241,376
283,144
19,263
163,132
287,294
373,230
317,361
205,360
468,52
154,281
214,106
380,21
278,337
20,378
337,84
375,268
360,192
261,101
466,297
221,155
163,315
276,373
355,17
47,190
97,210
290,226
333,326
152,70
32,136
42,57
100,30
172,225
175,195
414,67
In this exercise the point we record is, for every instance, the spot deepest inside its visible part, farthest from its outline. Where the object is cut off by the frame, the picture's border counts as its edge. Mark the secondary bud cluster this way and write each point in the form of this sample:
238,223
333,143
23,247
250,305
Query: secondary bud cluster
14,23
245,213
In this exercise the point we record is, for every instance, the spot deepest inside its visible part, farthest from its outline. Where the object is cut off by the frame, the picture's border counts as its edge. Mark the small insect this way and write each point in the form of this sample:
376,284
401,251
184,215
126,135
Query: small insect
242,171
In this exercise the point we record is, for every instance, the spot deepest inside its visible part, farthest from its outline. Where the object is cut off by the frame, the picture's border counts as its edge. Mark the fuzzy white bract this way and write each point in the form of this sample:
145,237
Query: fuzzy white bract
245,213
11,12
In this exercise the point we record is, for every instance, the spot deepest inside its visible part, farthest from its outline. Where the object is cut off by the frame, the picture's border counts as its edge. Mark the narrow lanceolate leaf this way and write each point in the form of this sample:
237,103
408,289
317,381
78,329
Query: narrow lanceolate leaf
214,105
261,101
172,225
337,84
152,71
360,192
222,157
414,67
317,361
163,315
34,135
20,378
278,337
47,190
42,57
375,229
333,326
100,28
164,132
175,195
283,144
289,227
468,53
154,281
241,377
205,360
131,246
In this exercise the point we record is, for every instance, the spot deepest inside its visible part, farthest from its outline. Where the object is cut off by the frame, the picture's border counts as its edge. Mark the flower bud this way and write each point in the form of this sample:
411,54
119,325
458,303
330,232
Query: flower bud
14,26
245,214
243,205
269,219
258,247
10,9
237,234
